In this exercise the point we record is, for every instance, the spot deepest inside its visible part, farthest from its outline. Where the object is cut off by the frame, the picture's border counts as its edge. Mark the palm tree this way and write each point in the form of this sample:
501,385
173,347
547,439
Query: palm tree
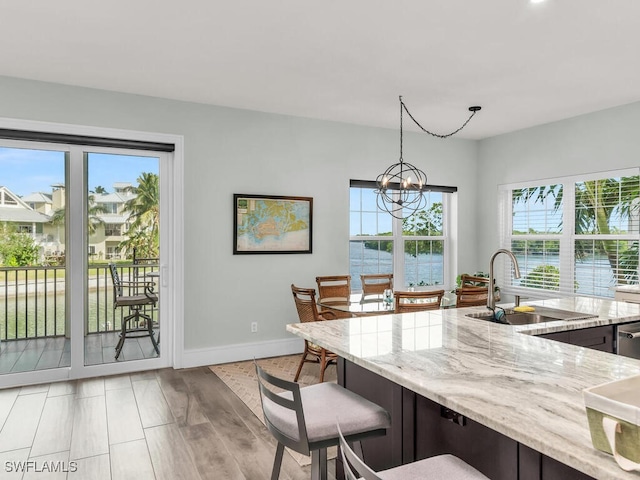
95,209
100,190
144,208
596,203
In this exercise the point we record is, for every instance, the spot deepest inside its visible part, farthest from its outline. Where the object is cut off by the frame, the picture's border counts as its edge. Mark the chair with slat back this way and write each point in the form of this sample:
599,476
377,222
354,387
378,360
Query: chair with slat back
467,280
436,467
137,323
304,419
334,288
305,300
473,291
471,296
376,284
418,301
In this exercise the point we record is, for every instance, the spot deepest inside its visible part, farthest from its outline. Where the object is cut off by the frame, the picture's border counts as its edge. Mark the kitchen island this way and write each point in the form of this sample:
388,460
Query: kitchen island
525,389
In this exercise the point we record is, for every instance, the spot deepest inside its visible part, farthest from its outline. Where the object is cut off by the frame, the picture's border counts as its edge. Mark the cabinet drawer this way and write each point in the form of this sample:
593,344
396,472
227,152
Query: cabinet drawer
597,338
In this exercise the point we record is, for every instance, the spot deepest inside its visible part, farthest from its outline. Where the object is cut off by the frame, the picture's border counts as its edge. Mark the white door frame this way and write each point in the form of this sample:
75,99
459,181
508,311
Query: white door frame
172,275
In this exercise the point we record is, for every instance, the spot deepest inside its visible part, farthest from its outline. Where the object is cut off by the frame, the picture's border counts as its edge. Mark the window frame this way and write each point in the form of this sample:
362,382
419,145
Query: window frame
567,237
398,237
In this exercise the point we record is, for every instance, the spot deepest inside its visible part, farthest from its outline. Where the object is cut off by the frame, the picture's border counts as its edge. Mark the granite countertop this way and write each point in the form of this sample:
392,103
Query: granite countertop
502,376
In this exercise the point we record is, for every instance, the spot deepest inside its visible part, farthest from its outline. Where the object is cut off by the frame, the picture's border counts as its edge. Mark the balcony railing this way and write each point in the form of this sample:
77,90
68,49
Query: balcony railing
32,300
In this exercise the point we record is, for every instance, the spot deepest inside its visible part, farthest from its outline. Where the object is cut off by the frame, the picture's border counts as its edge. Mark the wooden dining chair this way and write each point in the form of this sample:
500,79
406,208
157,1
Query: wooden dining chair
305,300
471,296
334,289
467,280
376,283
418,301
473,291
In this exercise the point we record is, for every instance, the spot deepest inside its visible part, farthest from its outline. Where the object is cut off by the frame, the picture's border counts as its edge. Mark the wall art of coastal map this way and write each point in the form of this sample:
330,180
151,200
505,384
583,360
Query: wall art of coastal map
272,224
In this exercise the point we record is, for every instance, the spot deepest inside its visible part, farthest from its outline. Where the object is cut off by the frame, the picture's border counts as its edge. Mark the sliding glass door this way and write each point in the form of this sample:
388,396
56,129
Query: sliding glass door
33,317
81,260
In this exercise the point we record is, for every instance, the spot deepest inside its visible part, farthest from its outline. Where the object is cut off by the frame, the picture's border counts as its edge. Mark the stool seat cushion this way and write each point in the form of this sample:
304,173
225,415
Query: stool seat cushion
440,467
324,405
135,300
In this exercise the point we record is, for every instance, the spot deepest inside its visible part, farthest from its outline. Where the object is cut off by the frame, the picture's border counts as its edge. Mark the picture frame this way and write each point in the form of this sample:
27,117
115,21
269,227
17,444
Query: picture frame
272,224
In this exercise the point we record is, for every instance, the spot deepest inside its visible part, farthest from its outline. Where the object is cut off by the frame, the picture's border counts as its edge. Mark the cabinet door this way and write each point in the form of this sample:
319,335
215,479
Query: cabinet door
385,452
439,430
535,466
554,470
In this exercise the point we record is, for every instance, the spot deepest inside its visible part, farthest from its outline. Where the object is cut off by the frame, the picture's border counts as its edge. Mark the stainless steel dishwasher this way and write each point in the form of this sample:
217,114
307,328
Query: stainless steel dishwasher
629,340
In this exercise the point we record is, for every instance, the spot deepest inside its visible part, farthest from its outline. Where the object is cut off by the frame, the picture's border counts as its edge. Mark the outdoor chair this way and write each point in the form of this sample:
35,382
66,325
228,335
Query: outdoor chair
418,301
376,284
304,419
439,467
143,265
137,323
305,300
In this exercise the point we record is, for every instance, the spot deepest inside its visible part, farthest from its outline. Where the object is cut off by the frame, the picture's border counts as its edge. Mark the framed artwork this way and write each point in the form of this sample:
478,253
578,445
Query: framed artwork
271,224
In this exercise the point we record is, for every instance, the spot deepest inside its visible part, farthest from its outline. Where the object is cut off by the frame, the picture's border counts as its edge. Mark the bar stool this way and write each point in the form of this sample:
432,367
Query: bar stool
304,419
439,467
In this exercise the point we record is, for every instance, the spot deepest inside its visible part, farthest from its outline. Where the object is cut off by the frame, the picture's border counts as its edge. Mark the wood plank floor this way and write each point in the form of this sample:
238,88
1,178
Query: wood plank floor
162,424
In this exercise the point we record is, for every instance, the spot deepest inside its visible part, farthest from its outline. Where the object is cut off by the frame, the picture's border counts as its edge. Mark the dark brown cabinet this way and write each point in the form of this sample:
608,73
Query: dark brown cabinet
535,466
438,430
597,338
380,452
422,428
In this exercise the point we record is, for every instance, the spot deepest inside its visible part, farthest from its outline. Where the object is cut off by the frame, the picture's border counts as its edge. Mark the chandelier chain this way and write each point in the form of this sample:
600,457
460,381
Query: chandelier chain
401,187
403,106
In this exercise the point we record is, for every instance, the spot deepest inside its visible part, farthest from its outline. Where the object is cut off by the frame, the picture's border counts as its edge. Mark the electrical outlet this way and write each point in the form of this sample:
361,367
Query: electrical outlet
254,327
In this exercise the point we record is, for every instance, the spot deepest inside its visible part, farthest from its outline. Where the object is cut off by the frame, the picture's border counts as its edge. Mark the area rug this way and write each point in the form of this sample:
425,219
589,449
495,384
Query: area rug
240,377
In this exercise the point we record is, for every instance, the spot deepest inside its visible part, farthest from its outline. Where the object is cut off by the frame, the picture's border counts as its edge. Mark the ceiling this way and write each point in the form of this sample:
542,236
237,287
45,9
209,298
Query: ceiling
344,60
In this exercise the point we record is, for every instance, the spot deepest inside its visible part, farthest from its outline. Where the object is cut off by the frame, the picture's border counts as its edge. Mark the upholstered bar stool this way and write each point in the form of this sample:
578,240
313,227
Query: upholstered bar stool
439,467
304,419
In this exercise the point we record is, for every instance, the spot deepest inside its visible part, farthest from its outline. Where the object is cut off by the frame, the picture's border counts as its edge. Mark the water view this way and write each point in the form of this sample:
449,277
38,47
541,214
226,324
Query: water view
593,276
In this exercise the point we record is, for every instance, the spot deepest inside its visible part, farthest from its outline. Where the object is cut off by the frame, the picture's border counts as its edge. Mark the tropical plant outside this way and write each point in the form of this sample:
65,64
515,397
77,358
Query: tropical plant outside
423,223
546,277
58,217
16,249
144,231
603,208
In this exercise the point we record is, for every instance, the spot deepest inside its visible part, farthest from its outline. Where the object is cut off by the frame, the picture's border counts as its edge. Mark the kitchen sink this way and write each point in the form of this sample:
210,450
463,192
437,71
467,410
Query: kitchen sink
539,315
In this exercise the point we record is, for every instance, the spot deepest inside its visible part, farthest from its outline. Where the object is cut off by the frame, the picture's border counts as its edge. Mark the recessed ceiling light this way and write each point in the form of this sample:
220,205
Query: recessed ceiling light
536,1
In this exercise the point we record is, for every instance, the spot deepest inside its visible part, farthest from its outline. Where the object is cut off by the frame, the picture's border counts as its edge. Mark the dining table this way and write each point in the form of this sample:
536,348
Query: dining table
358,306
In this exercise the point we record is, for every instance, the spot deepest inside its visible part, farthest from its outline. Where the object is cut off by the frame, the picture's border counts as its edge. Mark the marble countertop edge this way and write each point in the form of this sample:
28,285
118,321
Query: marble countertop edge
515,366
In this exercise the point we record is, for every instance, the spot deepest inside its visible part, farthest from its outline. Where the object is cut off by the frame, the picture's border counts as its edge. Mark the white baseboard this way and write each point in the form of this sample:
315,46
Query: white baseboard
239,352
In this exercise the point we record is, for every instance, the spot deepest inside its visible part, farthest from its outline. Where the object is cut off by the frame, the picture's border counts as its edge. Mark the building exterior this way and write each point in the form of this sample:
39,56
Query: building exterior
35,214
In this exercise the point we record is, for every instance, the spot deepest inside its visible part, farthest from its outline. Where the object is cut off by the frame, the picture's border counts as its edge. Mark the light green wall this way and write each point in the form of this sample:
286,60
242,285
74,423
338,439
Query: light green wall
601,141
231,151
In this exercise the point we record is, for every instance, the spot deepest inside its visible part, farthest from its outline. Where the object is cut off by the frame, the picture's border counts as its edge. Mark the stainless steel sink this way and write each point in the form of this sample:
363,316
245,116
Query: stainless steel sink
540,315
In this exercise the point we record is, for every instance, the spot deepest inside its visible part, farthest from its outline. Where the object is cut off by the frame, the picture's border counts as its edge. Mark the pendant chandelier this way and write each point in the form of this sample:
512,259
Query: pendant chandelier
401,187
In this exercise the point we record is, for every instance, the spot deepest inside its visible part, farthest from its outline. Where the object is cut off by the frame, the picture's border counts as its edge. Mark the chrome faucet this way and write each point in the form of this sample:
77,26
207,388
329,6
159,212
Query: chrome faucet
491,299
